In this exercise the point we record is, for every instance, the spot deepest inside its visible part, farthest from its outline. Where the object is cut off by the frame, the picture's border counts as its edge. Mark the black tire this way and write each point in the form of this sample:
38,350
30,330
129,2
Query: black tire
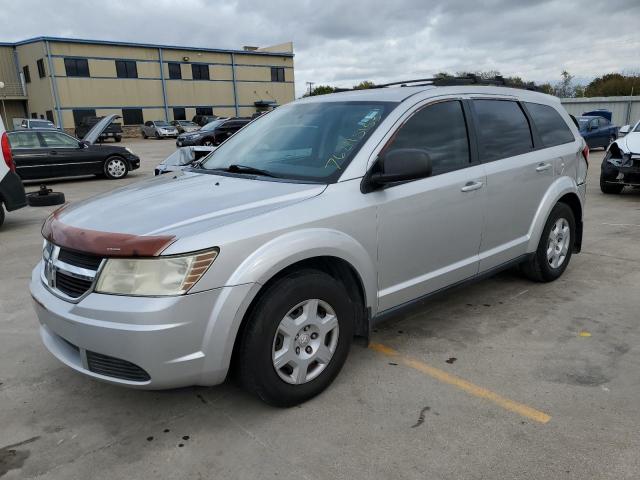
34,199
1,215
208,142
157,136
254,360
537,268
608,174
118,139
115,168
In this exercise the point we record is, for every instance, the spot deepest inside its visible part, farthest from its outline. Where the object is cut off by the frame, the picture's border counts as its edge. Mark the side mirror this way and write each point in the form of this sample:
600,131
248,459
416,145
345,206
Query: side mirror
83,144
398,165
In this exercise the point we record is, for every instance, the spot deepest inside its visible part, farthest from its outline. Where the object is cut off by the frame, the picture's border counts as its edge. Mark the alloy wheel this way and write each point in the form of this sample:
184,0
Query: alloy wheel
558,243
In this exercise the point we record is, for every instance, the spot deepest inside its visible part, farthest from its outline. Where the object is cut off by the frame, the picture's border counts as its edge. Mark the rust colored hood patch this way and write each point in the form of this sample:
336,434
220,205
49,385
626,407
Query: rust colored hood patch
104,244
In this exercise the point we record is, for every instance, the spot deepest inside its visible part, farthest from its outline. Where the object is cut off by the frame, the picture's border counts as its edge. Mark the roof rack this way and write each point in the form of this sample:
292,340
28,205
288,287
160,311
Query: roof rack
452,81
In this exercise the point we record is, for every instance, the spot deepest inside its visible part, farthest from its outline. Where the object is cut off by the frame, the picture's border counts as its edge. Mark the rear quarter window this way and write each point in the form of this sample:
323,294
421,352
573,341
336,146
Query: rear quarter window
503,129
550,126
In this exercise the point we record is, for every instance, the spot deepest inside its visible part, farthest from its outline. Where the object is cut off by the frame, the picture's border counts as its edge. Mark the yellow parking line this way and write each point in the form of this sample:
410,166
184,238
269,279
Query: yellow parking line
462,384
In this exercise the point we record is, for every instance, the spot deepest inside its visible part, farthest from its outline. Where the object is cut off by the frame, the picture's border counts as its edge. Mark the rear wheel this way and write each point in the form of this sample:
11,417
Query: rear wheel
115,168
297,338
1,215
555,247
144,134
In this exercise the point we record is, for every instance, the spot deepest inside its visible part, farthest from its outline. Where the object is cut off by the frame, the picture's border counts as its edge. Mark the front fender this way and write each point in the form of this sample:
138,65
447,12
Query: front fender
293,247
559,188
257,269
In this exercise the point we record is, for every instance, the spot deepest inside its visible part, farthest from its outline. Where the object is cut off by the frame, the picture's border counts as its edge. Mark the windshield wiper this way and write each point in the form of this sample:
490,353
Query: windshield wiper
235,168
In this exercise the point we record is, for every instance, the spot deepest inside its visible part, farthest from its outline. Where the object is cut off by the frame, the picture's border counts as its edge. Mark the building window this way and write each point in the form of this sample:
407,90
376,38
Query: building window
34,115
126,69
179,114
41,71
277,74
76,67
49,114
199,71
80,114
175,72
204,110
25,72
132,116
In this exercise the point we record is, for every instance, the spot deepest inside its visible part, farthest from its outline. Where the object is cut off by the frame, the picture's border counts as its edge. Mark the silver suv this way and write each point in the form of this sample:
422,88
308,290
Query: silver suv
306,228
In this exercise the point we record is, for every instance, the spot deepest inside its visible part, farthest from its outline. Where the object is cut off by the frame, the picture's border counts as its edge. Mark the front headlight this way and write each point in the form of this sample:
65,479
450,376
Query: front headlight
154,276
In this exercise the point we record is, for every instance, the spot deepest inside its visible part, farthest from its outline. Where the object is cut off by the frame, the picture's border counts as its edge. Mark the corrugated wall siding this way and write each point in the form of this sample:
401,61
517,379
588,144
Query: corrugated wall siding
624,109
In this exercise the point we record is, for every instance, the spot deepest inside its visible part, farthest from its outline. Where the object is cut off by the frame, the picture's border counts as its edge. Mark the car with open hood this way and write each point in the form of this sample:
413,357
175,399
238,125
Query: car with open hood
183,158
213,133
621,163
40,153
306,228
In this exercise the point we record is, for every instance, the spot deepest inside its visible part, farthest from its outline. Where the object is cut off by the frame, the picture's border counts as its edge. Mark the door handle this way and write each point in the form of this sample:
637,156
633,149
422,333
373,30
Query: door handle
53,152
471,186
543,167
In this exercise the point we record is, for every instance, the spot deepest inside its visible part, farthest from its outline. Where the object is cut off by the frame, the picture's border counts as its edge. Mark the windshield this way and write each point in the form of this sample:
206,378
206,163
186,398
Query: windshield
583,121
161,123
637,129
213,125
302,141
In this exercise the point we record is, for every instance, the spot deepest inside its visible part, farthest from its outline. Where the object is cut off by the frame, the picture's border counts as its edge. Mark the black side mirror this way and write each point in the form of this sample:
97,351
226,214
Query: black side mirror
83,144
398,165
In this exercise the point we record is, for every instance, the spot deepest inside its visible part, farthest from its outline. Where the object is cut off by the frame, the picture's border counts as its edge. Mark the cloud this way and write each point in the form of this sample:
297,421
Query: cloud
342,43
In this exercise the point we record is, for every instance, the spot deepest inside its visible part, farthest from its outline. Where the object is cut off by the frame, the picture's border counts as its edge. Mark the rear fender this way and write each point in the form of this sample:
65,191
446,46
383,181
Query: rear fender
561,187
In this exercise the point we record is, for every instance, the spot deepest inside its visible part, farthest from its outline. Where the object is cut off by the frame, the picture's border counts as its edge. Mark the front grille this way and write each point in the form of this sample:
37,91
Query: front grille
79,259
71,286
115,367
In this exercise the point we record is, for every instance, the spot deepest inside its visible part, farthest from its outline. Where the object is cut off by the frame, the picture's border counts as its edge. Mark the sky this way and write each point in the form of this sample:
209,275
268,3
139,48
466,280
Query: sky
341,43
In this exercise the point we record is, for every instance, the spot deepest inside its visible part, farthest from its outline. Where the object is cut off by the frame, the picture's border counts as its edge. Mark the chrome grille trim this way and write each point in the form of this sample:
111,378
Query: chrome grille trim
52,265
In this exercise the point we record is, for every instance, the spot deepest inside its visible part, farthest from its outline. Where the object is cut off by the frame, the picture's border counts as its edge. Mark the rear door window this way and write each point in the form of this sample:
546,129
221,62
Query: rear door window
24,140
503,129
440,130
550,126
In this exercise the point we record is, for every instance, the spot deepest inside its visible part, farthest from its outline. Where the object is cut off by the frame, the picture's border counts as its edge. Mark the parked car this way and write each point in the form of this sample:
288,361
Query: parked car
158,129
182,158
29,123
12,195
213,133
185,126
597,131
46,154
202,120
621,164
308,227
114,130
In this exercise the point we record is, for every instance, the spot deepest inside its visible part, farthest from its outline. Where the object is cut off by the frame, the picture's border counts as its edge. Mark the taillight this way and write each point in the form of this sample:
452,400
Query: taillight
6,152
585,154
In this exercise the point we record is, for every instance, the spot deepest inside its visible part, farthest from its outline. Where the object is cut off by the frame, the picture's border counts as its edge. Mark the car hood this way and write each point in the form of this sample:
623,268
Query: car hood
169,207
97,130
630,143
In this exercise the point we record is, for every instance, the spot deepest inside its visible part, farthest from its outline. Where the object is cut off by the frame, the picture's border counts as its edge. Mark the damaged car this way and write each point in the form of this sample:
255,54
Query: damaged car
621,163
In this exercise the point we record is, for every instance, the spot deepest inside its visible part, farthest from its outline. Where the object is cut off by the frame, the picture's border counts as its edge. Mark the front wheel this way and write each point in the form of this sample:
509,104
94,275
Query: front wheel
115,168
555,247
297,338
1,215
207,142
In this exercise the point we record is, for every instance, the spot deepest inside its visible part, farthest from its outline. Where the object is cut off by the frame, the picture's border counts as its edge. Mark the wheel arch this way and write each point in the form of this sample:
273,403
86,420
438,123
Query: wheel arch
562,190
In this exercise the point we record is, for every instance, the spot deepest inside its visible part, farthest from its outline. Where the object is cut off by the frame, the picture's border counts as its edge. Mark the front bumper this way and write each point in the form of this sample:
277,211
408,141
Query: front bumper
176,340
167,134
134,162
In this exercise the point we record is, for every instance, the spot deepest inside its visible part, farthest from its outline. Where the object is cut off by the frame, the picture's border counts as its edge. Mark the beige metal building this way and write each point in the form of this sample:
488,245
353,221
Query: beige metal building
65,80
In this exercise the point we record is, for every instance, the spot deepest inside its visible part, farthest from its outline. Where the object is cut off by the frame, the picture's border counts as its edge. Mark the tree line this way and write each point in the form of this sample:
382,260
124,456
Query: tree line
607,85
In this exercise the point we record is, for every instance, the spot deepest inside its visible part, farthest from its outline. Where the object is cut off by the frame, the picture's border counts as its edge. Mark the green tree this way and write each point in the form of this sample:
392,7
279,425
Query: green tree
364,85
321,90
565,87
613,84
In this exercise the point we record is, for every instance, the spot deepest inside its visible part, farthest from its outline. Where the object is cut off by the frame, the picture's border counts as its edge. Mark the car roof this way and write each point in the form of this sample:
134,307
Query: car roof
400,94
27,130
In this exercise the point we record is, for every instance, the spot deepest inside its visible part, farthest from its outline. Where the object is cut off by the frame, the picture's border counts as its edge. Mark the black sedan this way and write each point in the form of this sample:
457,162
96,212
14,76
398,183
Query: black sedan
40,153
213,133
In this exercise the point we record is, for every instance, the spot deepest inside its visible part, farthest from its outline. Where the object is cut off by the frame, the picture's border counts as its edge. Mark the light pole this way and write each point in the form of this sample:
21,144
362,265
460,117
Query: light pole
310,85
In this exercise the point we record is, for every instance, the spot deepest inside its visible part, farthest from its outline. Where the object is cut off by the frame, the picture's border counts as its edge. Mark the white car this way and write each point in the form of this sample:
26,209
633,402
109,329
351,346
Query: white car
621,163
12,195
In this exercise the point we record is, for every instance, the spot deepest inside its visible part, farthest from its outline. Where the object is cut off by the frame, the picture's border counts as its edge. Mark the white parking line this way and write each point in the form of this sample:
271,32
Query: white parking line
621,224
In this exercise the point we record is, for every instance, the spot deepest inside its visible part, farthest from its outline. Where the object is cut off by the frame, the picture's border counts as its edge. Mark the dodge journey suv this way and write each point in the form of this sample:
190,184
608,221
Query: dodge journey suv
303,230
